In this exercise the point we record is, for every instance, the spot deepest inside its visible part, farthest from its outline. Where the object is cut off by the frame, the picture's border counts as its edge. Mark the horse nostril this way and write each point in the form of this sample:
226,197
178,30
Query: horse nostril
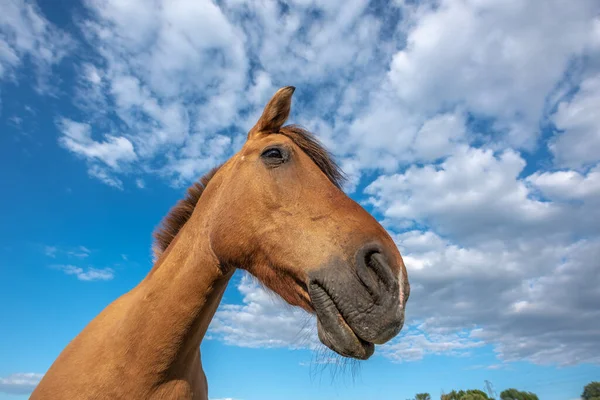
369,277
374,272
378,264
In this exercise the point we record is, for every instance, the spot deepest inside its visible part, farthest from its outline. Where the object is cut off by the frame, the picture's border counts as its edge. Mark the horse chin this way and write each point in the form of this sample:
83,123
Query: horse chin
334,332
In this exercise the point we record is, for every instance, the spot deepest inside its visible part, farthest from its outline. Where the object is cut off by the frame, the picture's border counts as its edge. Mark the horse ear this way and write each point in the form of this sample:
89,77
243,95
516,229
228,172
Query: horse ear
275,113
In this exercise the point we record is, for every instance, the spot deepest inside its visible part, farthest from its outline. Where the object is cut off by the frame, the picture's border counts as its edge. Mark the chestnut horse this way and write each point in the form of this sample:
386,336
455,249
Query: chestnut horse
275,209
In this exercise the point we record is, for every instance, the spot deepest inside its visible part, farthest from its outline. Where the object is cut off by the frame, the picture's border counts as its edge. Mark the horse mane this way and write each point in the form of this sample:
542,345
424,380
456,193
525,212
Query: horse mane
182,211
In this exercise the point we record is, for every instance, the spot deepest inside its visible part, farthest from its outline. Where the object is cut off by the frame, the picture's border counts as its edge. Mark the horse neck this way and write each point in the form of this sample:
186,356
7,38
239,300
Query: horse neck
179,298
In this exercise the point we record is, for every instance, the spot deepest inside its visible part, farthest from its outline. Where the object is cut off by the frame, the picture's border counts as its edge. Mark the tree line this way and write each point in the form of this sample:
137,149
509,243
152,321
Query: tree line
590,392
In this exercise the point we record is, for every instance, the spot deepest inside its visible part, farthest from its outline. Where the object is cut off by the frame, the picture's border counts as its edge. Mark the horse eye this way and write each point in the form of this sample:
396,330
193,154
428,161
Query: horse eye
273,153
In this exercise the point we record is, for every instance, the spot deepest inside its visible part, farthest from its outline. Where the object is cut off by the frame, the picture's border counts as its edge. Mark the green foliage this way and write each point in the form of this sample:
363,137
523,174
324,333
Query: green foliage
474,394
591,391
423,396
514,394
453,395
478,394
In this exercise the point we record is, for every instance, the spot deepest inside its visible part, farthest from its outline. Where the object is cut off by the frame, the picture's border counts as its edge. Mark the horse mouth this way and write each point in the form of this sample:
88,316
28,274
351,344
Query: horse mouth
333,329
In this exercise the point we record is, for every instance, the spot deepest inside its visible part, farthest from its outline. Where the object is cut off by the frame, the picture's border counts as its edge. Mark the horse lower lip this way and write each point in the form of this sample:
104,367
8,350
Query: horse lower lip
333,329
360,349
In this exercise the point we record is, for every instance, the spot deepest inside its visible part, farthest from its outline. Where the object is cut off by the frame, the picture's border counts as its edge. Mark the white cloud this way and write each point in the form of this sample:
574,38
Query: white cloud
263,320
172,43
499,59
87,274
179,74
77,137
519,296
472,194
542,324
201,153
568,184
50,251
497,62
103,175
20,383
174,75
102,156
90,92
579,121
80,252
70,252
309,40
414,344
161,59
26,34
496,260
438,136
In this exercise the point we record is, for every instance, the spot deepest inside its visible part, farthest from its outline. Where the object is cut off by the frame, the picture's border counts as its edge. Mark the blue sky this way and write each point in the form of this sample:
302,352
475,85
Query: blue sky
469,129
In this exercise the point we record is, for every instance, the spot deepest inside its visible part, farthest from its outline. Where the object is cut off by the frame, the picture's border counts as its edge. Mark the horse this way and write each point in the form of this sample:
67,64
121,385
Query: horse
276,209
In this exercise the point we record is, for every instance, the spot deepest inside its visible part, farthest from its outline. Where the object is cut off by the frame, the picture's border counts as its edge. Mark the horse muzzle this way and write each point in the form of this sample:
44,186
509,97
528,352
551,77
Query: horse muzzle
360,303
